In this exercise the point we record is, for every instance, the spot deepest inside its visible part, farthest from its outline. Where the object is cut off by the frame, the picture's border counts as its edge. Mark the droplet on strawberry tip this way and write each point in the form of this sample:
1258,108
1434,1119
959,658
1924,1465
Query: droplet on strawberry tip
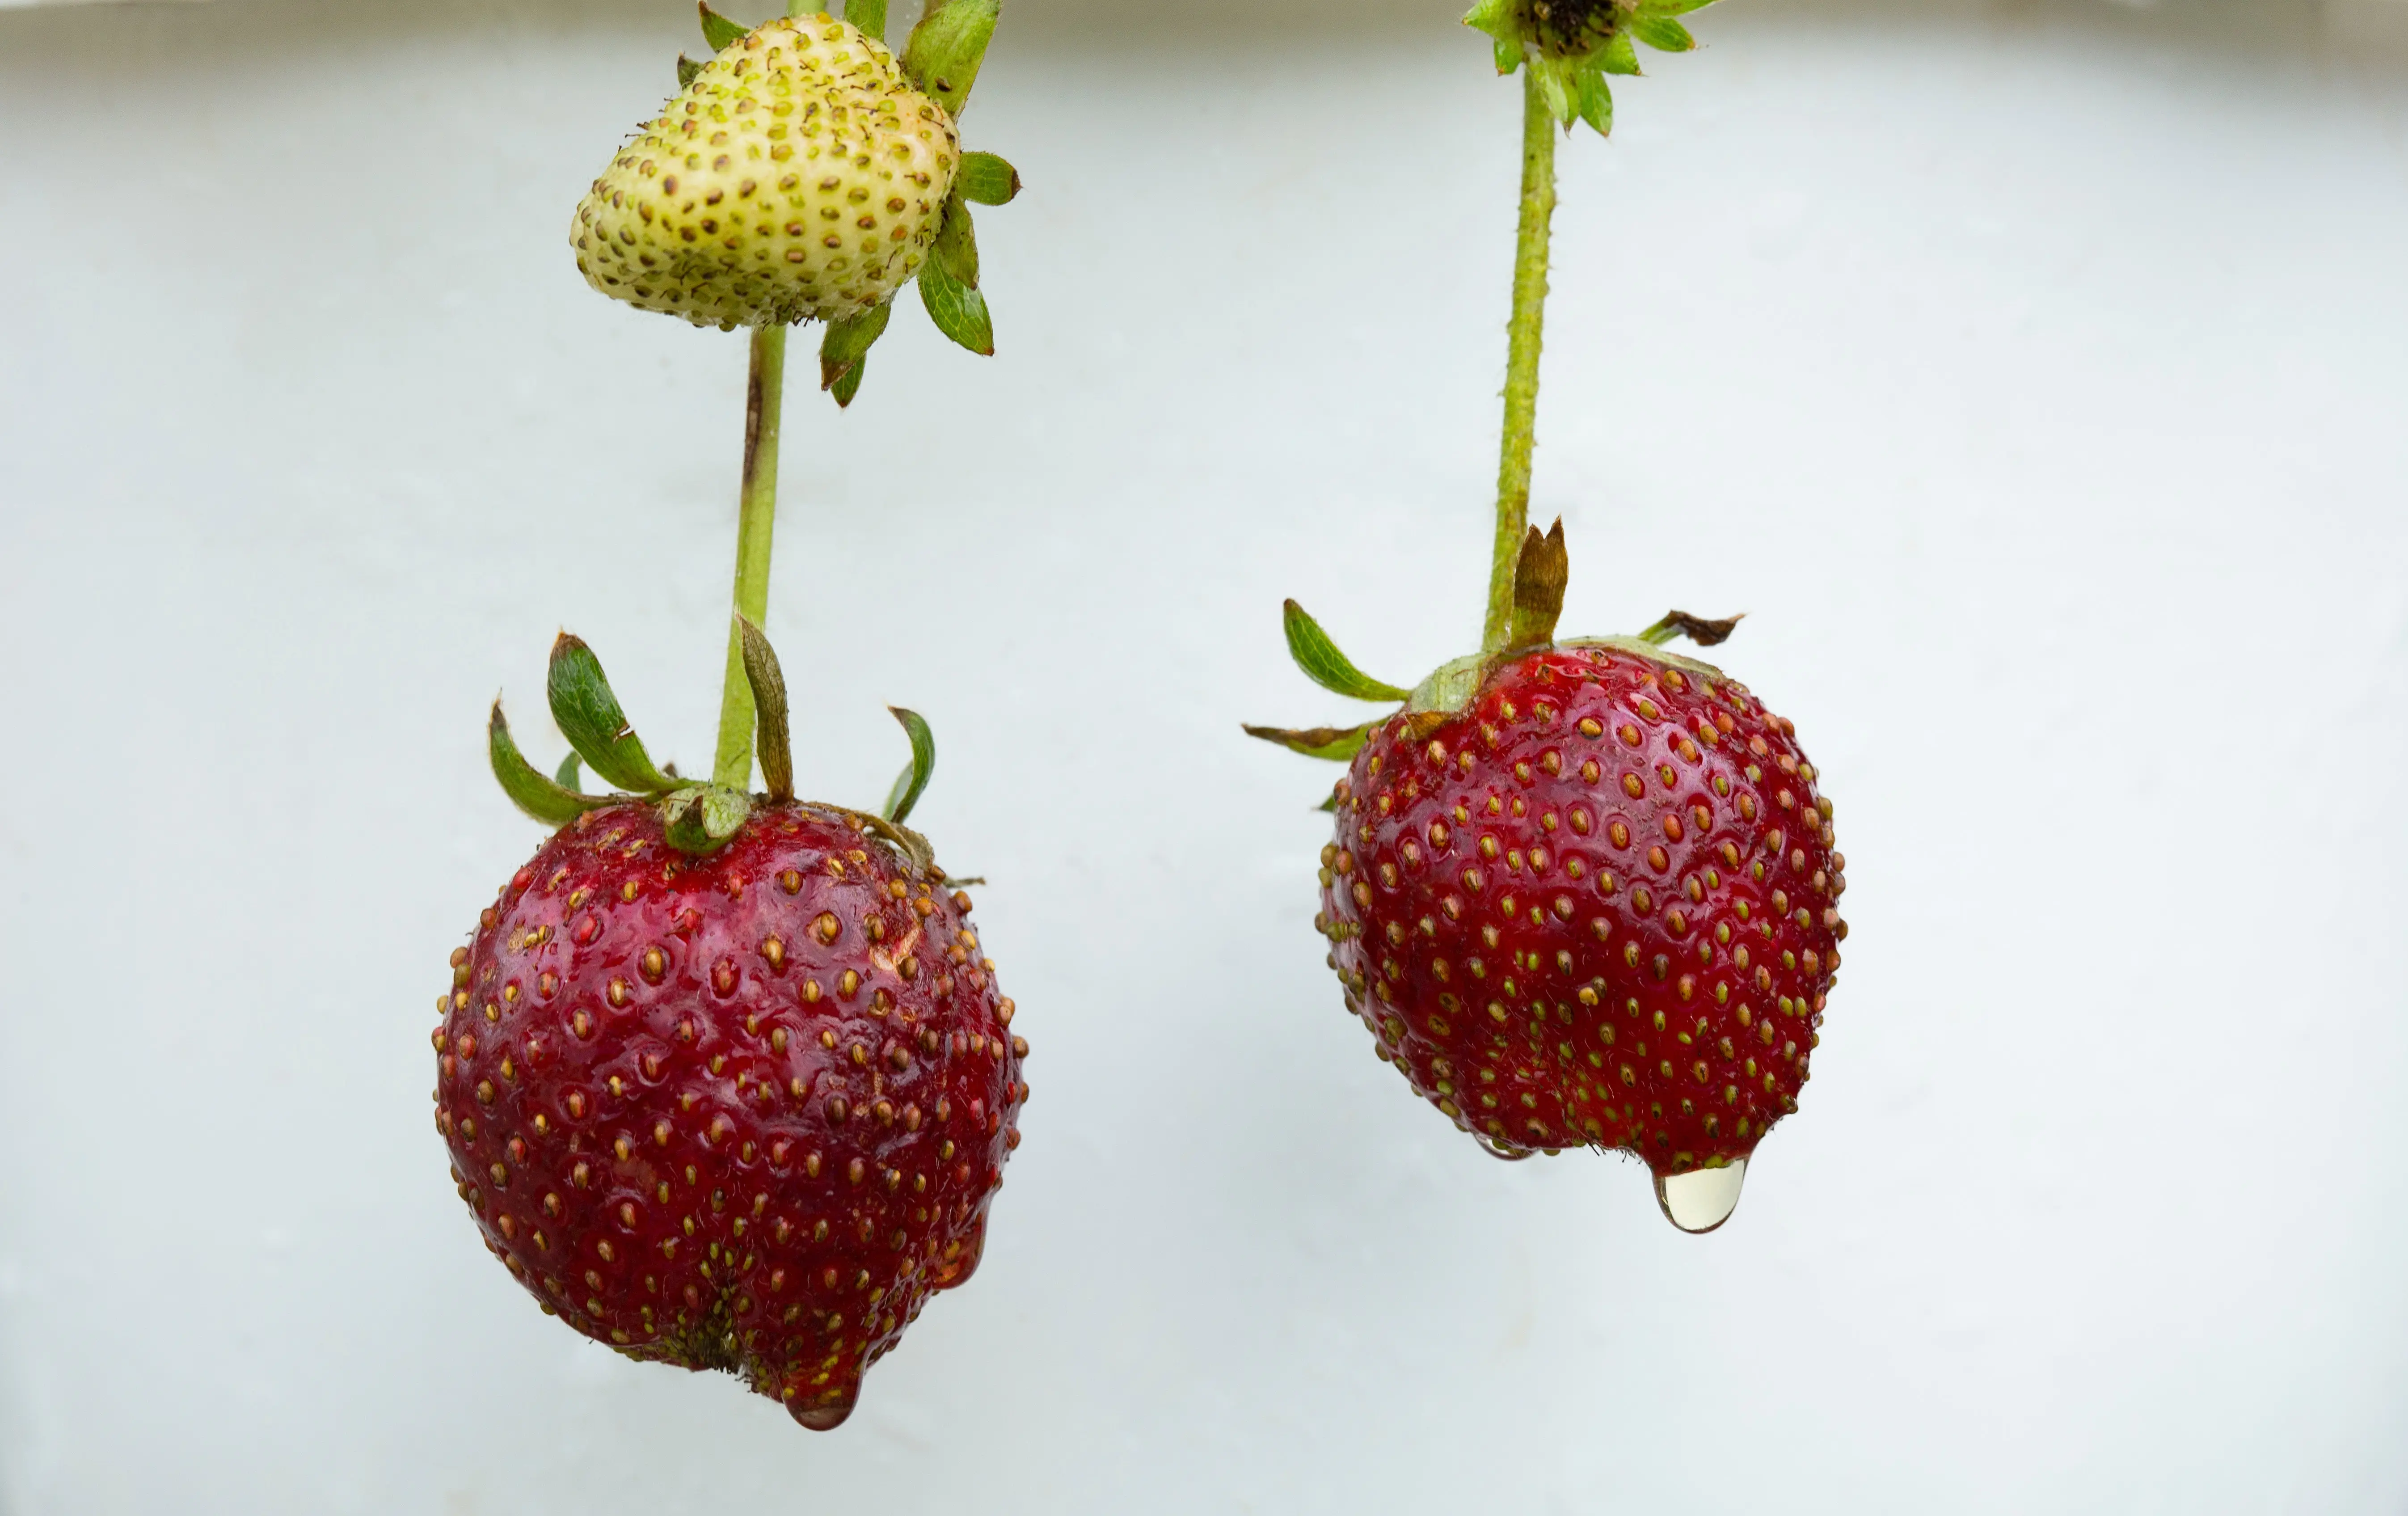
1703,1198
822,1418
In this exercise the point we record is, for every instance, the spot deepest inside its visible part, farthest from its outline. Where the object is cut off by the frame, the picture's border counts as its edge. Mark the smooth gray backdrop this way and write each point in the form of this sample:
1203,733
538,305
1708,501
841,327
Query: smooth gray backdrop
2034,374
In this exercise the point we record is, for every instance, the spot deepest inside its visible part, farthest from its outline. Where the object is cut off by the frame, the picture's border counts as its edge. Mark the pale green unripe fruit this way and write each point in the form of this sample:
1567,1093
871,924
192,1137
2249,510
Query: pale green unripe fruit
799,177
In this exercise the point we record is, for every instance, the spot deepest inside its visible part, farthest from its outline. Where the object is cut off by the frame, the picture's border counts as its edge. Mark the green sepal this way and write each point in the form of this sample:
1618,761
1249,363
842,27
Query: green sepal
772,740
1495,18
1705,632
1324,664
1671,8
701,817
688,70
1618,56
718,30
1509,55
848,343
1447,689
551,802
589,716
1554,90
957,243
947,48
1330,804
1663,33
1596,100
567,775
1339,744
959,311
987,179
914,778
867,15
847,384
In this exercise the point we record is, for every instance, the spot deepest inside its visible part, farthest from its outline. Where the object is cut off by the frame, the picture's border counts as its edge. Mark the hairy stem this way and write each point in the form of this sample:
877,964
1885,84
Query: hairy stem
1523,334
756,520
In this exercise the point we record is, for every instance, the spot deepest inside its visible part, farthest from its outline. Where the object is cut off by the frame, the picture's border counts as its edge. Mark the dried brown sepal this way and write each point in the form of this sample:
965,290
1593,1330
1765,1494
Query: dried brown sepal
1539,583
1705,632
1338,744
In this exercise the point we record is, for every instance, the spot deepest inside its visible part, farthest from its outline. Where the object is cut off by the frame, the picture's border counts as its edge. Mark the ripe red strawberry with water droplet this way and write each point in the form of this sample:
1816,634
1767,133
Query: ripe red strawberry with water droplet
737,1103
1583,893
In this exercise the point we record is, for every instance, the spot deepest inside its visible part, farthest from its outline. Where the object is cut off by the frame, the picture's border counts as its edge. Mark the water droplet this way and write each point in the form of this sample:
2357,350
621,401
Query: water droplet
1703,1198
823,1418
1511,1155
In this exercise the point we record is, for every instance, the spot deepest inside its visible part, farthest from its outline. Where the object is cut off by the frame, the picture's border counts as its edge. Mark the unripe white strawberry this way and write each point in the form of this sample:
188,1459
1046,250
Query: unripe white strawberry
799,176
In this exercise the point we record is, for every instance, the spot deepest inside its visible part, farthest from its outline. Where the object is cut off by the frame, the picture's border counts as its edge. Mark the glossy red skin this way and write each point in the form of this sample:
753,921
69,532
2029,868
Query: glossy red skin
1546,985
734,1162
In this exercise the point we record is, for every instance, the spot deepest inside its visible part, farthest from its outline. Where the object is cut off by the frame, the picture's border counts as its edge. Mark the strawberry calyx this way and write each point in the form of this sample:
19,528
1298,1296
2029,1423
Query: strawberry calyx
1572,46
1539,579
697,818
942,60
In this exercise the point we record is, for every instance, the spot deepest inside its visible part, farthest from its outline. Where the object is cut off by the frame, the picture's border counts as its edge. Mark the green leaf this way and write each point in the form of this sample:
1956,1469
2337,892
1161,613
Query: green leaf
1663,33
1555,92
547,802
687,70
848,343
566,775
947,47
1323,664
701,817
849,383
923,760
914,778
1618,56
1596,100
1495,18
959,312
772,742
866,15
957,243
589,718
1509,56
718,30
1339,744
986,179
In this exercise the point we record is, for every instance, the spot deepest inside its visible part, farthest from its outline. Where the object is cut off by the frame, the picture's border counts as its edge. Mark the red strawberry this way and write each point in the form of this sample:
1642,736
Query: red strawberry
744,1109
1583,894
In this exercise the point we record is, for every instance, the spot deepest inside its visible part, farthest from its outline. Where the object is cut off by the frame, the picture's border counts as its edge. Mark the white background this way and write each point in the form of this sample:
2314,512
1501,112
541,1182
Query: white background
2033,373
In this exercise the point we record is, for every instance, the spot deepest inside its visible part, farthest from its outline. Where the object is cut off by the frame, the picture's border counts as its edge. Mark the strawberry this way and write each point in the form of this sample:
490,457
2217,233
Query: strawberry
799,176
1583,892
727,1081
805,173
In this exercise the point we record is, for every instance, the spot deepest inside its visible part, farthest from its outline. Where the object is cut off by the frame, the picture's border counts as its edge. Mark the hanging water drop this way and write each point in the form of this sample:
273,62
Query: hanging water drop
1702,1198
1509,1155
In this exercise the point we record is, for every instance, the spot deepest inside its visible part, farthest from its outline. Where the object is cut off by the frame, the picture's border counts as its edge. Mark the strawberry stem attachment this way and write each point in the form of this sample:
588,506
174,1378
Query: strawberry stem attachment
1524,332
756,520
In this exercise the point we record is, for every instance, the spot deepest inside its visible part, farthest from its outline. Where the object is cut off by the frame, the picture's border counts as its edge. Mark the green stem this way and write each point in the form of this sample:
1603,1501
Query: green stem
756,520
1523,334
